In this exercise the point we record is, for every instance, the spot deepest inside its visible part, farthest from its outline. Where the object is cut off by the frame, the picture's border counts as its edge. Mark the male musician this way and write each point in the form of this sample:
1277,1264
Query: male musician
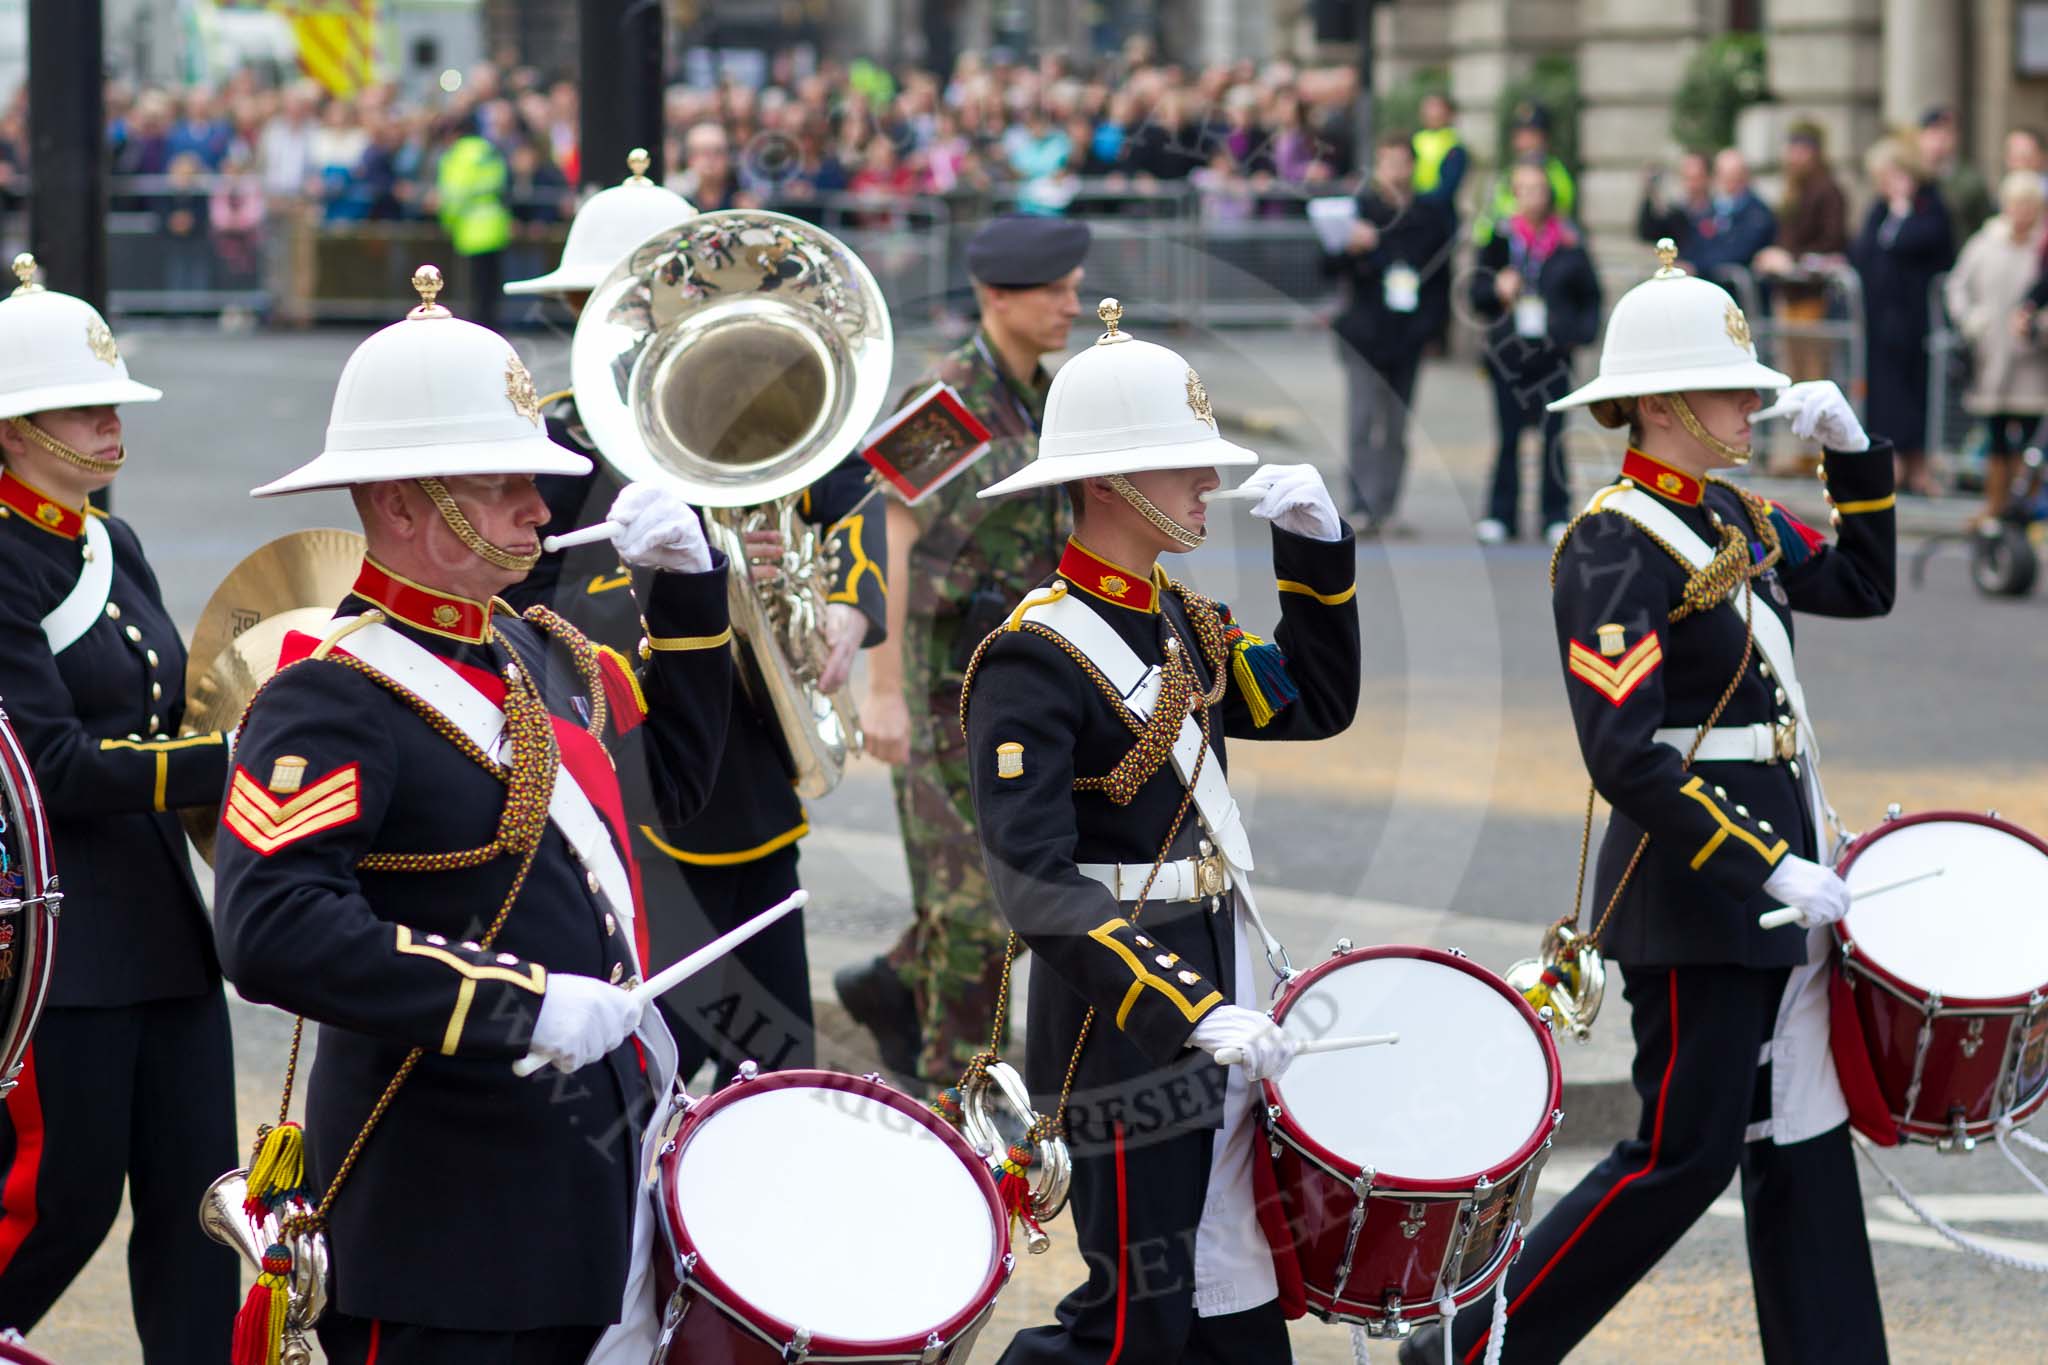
423,849
1095,721
1673,595
961,564
738,855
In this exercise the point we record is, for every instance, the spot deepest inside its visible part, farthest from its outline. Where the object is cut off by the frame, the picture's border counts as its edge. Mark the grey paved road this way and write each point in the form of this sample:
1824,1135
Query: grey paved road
1449,814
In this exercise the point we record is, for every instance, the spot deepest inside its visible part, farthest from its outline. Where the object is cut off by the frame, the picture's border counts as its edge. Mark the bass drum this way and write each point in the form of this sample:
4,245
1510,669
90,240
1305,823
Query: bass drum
28,905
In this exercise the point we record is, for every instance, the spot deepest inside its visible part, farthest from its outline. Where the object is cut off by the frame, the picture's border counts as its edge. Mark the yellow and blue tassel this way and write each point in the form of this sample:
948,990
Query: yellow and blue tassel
1260,672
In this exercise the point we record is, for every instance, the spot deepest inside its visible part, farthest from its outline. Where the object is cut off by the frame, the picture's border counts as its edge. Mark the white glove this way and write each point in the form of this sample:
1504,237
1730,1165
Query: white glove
845,627
1267,1051
1295,500
1814,891
1820,413
658,530
581,1020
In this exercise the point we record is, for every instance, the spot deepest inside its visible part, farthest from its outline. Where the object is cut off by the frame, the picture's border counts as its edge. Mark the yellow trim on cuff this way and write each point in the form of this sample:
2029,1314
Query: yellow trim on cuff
528,976
849,592
1883,504
464,994
163,778
158,746
1696,789
684,643
1328,599
747,855
1105,934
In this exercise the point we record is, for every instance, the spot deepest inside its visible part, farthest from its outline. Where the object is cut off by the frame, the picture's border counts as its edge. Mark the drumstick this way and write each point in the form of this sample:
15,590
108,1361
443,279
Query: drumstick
1785,914
589,535
673,975
1233,495
1231,1056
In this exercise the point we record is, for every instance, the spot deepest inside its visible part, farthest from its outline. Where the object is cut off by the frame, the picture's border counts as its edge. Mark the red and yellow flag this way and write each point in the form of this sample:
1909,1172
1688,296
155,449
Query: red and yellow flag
337,41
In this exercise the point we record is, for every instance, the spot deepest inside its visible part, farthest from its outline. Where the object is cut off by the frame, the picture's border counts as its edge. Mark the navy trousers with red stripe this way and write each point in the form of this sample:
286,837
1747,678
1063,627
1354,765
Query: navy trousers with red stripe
136,1094
1698,1032
1136,1207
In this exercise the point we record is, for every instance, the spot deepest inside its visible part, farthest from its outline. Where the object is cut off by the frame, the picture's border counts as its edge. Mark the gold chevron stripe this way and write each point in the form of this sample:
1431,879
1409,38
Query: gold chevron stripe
262,801
274,828
262,830
1617,680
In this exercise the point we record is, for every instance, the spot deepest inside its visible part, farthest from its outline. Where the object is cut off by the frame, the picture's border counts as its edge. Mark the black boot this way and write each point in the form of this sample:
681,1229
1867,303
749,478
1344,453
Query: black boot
880,1003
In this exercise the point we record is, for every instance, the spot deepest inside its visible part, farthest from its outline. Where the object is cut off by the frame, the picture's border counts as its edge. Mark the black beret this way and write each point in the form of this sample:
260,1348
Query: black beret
1023,250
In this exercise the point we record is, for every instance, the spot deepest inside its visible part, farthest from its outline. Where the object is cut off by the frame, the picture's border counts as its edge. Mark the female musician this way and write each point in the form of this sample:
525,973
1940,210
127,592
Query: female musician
130,1079
1673,596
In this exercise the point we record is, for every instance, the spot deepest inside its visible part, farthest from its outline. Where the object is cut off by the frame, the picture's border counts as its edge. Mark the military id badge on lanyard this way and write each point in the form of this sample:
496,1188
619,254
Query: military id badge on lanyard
1532,315
1401,288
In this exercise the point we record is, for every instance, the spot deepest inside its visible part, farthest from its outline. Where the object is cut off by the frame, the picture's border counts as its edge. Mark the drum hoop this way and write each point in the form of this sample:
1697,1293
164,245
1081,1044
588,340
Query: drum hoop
1298,1138
38,923
1853,956
704,1279
1372,1316
1856,964
694,1284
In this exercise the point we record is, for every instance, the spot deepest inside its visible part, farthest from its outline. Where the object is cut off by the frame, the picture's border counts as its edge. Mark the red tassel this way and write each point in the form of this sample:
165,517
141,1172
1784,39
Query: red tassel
259,1327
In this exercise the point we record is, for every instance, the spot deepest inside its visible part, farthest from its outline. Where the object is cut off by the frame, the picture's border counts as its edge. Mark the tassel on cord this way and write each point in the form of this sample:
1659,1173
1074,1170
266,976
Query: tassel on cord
1260,671
259,1327
1015,1188
278,1171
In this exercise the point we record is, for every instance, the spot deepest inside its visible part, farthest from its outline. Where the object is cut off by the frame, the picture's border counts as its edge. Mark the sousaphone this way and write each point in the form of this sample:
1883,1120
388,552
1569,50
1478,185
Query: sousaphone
737,358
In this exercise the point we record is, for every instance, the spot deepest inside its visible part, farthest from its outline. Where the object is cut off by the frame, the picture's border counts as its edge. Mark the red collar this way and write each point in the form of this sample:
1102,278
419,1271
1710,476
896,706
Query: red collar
1661,479
422,607
38,509
1114,584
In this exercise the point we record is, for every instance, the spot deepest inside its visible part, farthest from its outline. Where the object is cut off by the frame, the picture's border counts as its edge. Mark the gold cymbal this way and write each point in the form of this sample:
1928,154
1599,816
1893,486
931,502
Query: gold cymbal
217,700
304,569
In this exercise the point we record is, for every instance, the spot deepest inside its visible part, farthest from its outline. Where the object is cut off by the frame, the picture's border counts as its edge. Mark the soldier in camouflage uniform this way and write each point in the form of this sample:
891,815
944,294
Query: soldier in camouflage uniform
957,565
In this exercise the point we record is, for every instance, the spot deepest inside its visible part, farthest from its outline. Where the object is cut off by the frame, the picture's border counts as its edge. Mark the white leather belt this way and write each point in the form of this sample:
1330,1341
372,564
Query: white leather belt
1760,743
1184,879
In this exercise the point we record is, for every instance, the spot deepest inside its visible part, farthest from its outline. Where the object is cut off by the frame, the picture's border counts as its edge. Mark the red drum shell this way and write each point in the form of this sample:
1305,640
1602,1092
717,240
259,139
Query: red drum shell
1879,1013
709,1334
1412,1227
17,1353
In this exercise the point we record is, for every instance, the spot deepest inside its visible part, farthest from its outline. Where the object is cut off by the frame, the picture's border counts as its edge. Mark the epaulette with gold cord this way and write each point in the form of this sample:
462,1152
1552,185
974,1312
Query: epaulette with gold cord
1731,565
529,778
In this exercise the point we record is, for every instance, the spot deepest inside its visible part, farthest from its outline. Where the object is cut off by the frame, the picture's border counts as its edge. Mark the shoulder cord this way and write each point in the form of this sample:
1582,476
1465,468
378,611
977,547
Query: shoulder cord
582,652
1177,682
530,783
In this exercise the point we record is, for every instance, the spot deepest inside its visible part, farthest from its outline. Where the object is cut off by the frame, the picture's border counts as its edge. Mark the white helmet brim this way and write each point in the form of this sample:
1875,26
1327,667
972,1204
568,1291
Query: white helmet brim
1047,470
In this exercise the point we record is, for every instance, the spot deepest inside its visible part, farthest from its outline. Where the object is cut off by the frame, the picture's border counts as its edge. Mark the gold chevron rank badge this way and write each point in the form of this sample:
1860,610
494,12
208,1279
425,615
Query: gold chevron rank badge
1612,671
269,819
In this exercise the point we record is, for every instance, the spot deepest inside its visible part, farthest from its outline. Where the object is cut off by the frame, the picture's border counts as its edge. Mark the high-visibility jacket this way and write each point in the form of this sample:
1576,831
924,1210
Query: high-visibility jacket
471,179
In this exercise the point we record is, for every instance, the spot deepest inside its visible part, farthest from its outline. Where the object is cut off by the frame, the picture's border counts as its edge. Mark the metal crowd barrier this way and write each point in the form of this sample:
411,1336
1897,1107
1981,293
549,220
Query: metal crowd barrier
1949,426
1153,247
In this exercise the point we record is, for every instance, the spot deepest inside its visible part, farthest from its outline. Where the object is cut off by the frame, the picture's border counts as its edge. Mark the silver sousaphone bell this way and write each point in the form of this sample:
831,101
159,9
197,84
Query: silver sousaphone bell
1567,978
225,1220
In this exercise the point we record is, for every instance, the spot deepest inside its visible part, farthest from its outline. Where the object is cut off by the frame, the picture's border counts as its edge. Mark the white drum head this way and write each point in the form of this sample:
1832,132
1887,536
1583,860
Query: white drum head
836,1213
1466,1086
1979,930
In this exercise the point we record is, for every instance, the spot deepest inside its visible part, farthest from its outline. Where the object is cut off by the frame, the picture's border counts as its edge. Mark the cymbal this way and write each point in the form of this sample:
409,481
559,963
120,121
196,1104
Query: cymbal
304,569
216,700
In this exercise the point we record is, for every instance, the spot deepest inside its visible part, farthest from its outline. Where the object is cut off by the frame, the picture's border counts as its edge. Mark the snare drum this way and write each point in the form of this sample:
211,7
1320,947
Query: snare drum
1405,1172
781,1249
28,906
1940,1019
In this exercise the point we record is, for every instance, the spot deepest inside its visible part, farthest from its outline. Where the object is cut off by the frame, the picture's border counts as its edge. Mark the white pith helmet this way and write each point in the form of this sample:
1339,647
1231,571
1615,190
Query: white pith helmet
1123,406
431,397
611,223
1674,333
56,351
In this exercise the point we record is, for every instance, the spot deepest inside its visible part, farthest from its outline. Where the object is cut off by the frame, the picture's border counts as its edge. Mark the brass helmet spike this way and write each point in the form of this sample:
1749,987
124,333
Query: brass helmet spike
427,280
1667,260
25,271
637,161
1111,311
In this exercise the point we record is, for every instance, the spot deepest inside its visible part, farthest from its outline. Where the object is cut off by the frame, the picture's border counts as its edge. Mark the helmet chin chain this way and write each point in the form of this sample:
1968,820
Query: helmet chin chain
1698,431
1167,526
444,502
92,464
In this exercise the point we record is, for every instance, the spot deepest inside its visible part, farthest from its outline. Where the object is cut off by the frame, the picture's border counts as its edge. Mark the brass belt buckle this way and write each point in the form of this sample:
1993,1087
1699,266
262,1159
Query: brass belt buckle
1788,741
1210,876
